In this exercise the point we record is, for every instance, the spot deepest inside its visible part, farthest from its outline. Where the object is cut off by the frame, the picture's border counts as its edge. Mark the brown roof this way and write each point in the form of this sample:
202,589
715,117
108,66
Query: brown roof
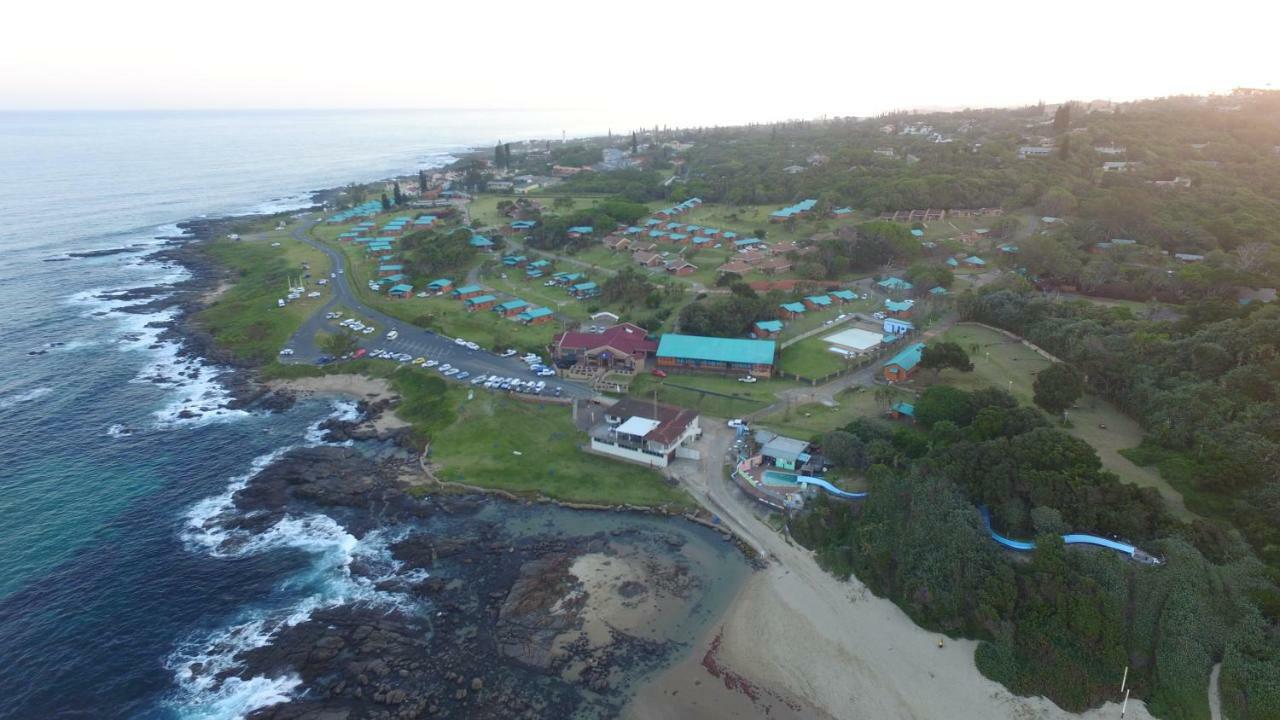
673,419
736,267
776,264
646,258
625,337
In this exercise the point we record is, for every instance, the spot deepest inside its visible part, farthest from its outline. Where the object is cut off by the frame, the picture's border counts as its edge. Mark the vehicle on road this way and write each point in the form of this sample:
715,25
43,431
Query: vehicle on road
360,353
287,351
463,375
748,379
507,353
369,330
659,373
459,341
392,335
419,360
472,346
736,423
431,363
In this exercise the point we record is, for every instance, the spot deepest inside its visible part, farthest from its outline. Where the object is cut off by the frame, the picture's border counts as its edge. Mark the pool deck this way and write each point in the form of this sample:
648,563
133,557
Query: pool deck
748,474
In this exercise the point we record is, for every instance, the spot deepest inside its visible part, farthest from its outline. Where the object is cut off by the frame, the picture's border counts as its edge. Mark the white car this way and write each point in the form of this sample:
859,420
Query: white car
392,335
333,275
737,423
451,372
445,367
748,379
368,331
287,351
507,353
459,341
431,363
473,346
479,379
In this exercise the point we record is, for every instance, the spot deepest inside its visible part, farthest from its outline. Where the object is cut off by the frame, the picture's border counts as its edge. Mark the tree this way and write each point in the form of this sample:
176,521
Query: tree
1062,118
943,402
422,181
845,450
498,157
396,195
1057,387
339,343
386,203
939,356
1064,148
635,144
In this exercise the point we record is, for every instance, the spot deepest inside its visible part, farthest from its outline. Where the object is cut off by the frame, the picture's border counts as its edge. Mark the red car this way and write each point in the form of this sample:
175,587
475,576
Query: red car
659,373
360,353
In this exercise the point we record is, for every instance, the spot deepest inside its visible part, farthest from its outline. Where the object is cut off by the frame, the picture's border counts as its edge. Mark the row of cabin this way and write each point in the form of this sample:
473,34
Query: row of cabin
797,211
825,301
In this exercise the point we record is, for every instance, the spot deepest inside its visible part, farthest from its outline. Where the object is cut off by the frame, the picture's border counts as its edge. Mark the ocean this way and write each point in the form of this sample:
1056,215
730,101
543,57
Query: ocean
110,583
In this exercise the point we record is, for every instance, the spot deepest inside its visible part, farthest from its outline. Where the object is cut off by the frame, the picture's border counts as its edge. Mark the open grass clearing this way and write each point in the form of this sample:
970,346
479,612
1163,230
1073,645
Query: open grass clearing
713,395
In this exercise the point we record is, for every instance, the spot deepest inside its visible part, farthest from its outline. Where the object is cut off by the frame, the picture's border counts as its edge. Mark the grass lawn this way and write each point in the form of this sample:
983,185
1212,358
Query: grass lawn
746,219
480,448
810,358
1008,364
714,395
810,420
246,319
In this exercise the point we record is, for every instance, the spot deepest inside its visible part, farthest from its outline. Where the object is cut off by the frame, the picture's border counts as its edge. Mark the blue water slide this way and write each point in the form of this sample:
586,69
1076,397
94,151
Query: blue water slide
832,489
1069,539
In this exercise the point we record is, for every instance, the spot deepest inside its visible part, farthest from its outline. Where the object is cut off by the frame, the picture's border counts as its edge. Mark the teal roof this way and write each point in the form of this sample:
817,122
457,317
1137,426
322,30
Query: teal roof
402,288
845,294
746,241
842,211
794,307
896,306
467,289
582,229
818,299
800,207
539,263
678,236
523,224
729,235
939,290
952,262
570,277
481,299
425,220
895,283
771,326
442,282
583,287
975,260
905,409
512,305
918,233
909,357
534,313
390,268
714,349
480,241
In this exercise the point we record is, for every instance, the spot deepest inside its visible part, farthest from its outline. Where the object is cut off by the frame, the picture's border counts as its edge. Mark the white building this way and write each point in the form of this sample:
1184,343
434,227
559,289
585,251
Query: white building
1027,151
647,433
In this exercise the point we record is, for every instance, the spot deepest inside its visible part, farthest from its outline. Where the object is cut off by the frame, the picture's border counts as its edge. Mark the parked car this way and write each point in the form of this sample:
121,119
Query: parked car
360,353
507,353
287,351
392,335
431,363
659,373
463,375
737,423
748,379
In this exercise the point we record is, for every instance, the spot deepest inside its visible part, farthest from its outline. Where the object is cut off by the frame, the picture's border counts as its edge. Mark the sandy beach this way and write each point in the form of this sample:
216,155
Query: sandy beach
809,645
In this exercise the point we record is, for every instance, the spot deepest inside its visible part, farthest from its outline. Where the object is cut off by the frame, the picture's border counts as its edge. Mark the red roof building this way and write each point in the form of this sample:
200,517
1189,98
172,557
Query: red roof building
625,346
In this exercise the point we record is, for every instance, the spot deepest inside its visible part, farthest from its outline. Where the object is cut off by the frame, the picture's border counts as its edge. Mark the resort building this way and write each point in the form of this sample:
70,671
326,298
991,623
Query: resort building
400,292
511,307
625,347
713,354
480,302
766,329
443,285
467,292
902,367
536,316
647,433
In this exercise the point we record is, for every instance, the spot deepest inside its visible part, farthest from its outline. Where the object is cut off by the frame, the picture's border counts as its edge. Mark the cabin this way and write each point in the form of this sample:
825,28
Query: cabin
400,292
536,316
585,290
902,367
899,308
842,212
511,307
480,302
481,243
389,270
515,260
579,231
466,292
696,353
895,284
647,259
843,296
817,302
681,268
797,211
793,310
440,286
903,411
975,262
766,329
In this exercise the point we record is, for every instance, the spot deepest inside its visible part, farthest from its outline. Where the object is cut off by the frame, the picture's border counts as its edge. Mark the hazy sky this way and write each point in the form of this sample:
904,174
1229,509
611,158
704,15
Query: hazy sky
658,61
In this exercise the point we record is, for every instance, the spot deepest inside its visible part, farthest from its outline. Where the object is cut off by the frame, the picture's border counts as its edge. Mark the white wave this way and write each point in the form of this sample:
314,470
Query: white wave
119,430
298,201
8,401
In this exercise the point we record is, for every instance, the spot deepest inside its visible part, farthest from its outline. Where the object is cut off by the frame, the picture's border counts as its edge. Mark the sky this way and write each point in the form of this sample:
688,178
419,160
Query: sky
656,62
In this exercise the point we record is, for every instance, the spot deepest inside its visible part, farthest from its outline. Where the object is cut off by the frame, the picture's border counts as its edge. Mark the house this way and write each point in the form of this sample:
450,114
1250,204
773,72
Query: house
1120,167
1188,257
895,284
440,286
424,221
786,453
539,266
466,292
766,329
937,291
393,279
633,230
481,242
774,265
401,291
903,411
975,261
625,347
584,290
536,316
388,270
743,243
897,326
793,310
817,302
953,263
843,296
523,225
646,433
852,341
678,238
515,260
1033,151
647,259
479,302
899,309
681,268
564,278
842,212
511,307
578,231
902,367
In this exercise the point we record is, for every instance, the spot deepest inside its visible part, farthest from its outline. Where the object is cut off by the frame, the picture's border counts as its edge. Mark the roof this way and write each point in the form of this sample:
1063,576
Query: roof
939,290
845,294
713,349
903,408
896,306
390,268
534,313
626,337
580,287
671,420
480,299
784,448
896,283
442,282
772,326
467,289
908,358
794,307
513,304
582,229
402,288
638,426
818,299
856,338
480,241
975,260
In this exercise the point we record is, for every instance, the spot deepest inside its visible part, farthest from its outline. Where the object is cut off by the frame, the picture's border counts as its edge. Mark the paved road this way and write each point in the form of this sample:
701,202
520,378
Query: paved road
413,340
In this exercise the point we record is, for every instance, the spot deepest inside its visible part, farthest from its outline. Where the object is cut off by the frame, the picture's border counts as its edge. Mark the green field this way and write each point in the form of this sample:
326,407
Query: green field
808,420
1008,364
532,448
811,359
245,319
714,395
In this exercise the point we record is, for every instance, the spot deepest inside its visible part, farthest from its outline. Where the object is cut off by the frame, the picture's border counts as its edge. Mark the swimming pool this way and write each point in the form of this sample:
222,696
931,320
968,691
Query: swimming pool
779,479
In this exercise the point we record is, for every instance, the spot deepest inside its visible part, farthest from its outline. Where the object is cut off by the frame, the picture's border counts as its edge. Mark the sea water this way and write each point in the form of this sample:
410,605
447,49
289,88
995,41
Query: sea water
112,579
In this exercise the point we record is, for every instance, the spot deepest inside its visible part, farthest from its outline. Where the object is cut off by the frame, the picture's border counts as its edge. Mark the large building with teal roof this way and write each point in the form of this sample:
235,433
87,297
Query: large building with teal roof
697,353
